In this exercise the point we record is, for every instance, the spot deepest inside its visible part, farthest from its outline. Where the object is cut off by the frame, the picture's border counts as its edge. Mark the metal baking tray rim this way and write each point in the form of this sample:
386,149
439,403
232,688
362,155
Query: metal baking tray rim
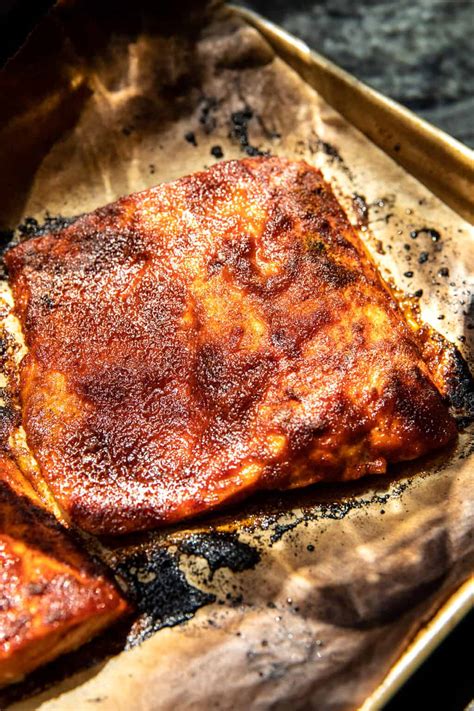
439,161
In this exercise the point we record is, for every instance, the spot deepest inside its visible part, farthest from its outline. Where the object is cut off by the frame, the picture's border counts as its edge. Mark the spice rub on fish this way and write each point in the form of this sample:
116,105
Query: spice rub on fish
52,597
220,334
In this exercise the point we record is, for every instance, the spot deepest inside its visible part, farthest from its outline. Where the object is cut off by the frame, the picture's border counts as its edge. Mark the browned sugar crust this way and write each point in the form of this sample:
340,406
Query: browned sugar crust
52,596
223,333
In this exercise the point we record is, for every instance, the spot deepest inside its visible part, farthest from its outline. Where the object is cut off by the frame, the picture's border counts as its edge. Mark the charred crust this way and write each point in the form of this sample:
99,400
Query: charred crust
170,336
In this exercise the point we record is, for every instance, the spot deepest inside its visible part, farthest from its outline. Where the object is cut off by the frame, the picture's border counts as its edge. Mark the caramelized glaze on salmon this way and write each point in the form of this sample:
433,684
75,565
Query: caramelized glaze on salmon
52,597
210,337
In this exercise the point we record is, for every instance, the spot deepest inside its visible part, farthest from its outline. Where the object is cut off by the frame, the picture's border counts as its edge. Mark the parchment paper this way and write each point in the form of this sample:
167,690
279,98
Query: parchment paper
292,601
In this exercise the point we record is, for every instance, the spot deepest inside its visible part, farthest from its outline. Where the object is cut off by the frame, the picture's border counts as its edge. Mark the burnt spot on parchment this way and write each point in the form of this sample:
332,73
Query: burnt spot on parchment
430,231
239,131
221,550
160,592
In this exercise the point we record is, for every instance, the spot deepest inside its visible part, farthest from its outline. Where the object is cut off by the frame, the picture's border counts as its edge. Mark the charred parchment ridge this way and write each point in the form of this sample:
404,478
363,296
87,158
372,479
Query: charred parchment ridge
335,510
460,393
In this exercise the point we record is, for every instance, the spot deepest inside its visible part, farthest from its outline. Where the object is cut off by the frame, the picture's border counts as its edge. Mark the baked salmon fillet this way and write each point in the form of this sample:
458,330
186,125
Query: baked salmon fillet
52,597
206,338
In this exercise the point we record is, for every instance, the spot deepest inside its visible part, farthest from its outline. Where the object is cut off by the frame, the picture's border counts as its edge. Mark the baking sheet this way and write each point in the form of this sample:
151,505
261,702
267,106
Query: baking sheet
412,142
300,600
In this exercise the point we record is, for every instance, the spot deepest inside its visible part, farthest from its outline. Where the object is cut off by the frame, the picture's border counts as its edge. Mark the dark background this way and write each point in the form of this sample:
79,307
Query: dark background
421,53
